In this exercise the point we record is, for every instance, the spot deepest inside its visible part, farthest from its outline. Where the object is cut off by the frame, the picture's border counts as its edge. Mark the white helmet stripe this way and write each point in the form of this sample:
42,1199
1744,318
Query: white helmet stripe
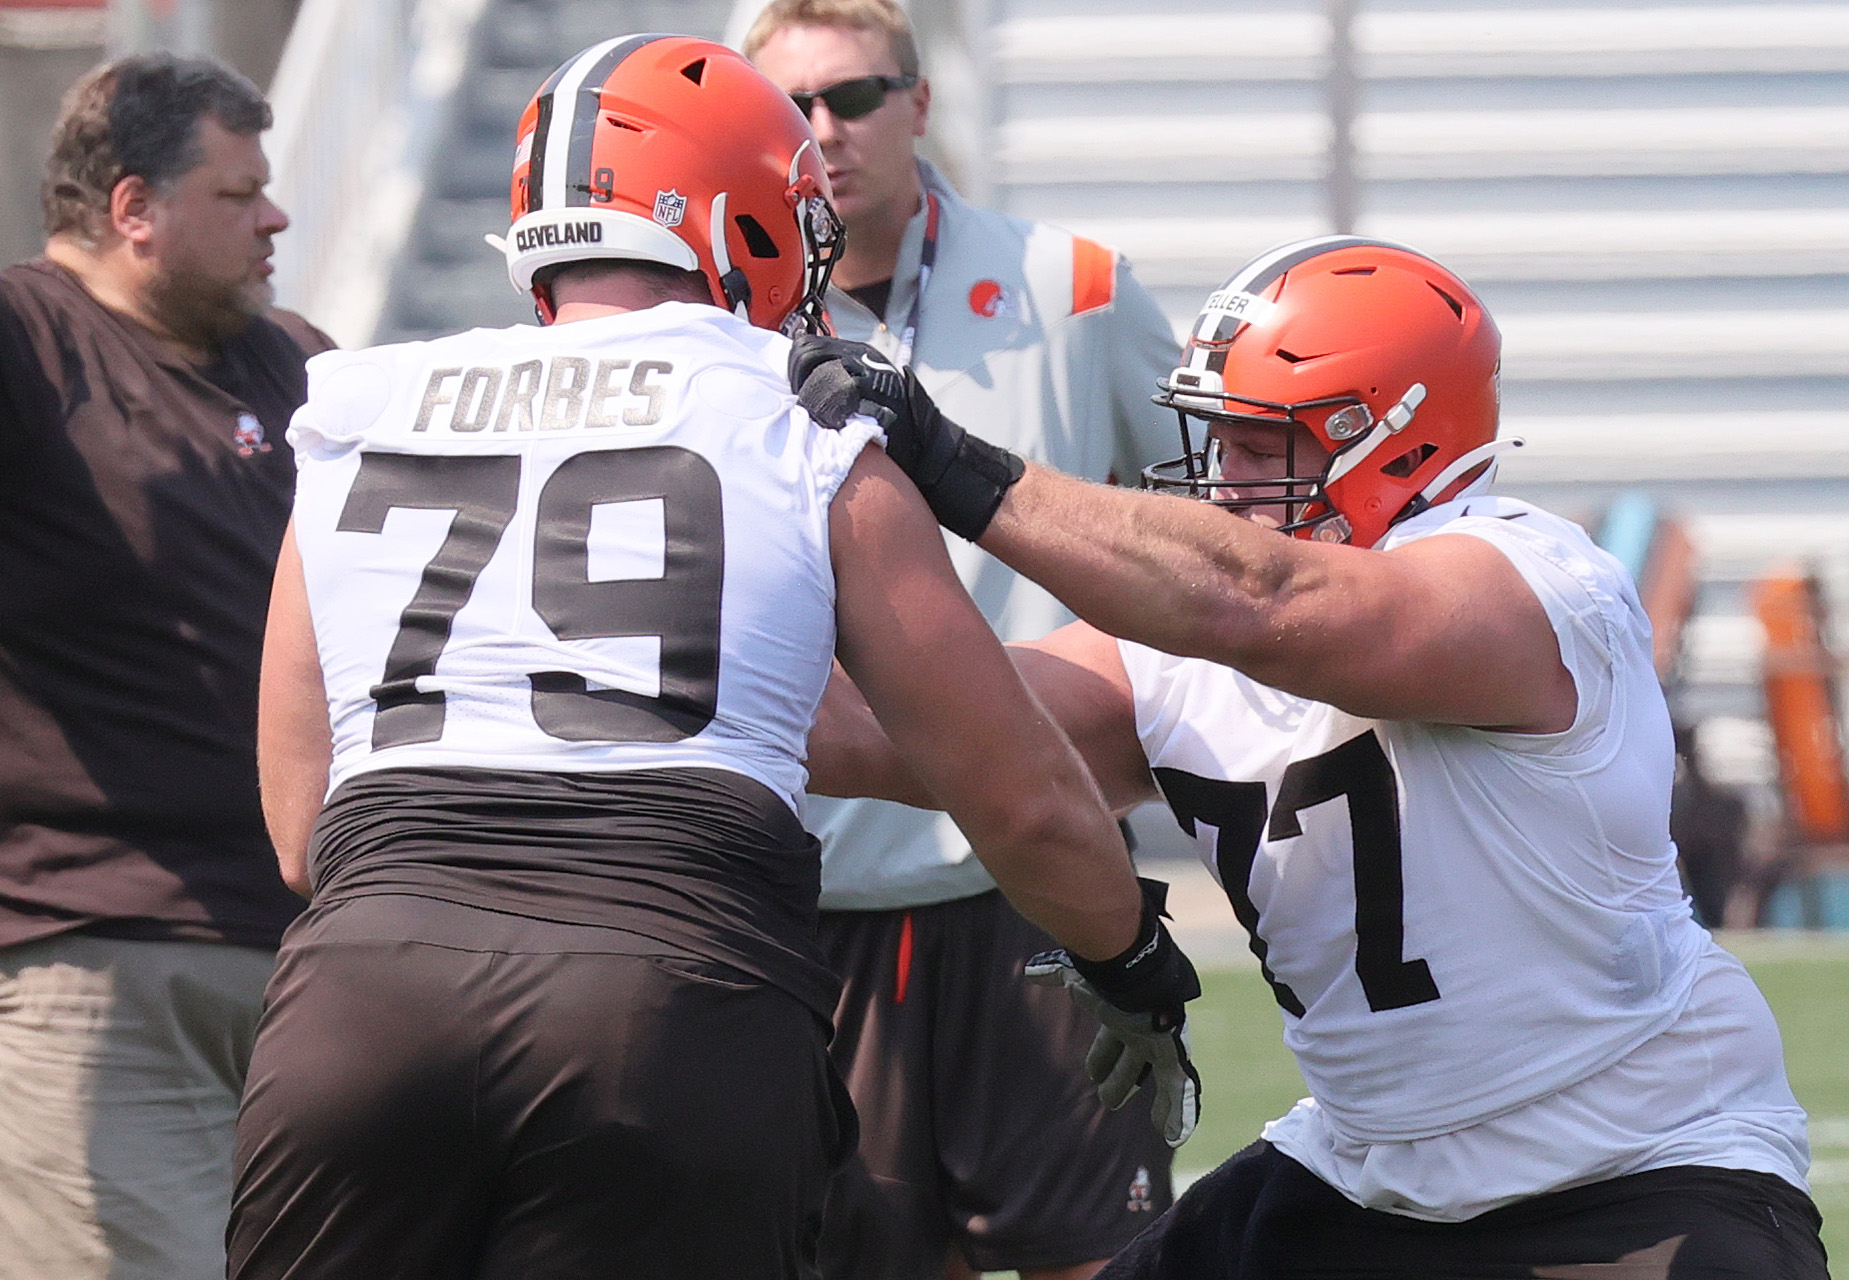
1256,276
556,177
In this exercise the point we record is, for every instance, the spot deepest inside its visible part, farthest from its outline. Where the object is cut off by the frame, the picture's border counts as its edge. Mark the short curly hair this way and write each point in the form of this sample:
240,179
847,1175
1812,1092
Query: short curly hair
137,116
867,15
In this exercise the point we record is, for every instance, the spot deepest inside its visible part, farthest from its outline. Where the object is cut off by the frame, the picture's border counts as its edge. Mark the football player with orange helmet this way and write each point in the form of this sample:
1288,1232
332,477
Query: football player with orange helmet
1416,732
553,617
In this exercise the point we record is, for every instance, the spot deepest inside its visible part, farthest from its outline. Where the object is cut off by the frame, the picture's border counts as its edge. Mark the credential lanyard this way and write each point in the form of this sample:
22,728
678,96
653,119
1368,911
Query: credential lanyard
927,258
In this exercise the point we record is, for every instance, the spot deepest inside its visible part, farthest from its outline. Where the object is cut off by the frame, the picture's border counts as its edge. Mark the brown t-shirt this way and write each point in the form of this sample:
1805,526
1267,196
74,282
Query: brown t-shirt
142,503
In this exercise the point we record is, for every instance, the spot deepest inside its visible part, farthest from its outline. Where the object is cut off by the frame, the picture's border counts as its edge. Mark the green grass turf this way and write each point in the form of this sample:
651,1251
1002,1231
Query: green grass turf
1806,981
1248,1076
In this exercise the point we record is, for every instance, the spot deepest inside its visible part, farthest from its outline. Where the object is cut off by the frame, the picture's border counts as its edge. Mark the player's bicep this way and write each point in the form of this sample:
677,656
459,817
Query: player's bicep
1443,629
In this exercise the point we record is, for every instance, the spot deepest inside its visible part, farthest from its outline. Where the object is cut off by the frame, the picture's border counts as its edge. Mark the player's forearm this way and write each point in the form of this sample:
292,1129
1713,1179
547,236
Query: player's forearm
1062,865
294,753
292,793
1180,576
1058,872
1443,628
991,757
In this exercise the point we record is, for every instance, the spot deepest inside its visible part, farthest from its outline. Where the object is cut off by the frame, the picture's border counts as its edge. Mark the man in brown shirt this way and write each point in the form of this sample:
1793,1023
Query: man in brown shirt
145,386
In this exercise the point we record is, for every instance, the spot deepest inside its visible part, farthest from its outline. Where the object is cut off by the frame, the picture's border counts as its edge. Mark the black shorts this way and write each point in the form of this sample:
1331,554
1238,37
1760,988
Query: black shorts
1263,1216
443,1091
979,1127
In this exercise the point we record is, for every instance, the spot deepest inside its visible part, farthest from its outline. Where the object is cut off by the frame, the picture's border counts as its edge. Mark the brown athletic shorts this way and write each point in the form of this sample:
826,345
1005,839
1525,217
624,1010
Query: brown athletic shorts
444,1091
979,1127
1263,1216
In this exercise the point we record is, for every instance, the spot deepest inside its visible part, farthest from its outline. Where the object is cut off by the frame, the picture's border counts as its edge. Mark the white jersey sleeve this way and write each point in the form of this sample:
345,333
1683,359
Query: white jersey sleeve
596,546
1617,757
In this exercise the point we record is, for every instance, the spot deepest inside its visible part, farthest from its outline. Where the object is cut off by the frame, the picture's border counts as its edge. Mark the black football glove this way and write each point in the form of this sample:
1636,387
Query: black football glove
961,477
1139,999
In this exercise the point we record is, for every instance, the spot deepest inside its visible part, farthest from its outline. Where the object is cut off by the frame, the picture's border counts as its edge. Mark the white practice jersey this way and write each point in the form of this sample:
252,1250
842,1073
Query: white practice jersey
1479,939
607,550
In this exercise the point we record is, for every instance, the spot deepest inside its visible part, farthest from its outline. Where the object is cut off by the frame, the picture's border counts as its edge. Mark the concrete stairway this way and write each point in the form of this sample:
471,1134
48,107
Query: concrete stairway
448,279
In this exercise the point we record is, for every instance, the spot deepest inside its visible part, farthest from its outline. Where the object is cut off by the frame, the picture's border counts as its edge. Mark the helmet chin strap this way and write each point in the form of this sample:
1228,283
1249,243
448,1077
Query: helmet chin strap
737,290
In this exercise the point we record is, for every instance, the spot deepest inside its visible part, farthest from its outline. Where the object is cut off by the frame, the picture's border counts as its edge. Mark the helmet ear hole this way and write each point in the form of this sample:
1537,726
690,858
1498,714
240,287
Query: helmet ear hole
757,239
1410,461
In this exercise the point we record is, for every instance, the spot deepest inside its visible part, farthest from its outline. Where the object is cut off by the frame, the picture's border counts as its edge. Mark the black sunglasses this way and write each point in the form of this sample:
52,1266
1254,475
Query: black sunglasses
852,99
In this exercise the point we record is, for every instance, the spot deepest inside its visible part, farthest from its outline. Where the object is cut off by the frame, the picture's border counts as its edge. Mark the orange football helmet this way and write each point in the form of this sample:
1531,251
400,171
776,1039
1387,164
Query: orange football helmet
1386,357
670,149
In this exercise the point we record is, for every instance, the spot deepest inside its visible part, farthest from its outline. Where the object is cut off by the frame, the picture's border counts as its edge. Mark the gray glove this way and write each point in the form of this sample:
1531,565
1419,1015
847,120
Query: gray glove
1138,999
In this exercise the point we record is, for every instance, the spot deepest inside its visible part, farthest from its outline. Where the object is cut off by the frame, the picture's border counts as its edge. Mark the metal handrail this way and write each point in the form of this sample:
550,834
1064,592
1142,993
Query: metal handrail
359,98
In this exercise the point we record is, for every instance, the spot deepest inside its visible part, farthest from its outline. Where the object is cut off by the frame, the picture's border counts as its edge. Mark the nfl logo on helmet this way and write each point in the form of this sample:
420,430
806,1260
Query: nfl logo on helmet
670,207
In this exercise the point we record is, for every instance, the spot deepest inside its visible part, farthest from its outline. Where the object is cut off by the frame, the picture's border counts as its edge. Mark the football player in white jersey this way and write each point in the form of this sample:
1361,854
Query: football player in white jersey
555,612
1416,733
